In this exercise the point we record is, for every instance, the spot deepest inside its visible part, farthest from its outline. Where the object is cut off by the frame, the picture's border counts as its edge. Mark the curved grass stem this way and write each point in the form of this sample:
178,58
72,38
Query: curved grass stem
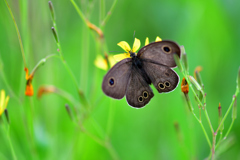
109,13
18,33
10,143
205,111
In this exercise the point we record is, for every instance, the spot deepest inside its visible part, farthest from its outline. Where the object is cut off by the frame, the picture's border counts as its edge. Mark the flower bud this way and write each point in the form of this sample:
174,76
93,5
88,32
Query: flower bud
220,116
184,86
184,58
6,115
46,89
195,83
197,75
51,9
55,34
68,109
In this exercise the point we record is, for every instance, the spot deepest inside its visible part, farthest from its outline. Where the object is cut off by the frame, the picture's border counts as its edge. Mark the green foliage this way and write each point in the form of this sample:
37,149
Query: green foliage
100,127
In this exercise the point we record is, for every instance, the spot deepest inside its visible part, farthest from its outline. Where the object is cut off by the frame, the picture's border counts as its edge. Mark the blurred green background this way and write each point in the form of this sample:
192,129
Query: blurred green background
42,129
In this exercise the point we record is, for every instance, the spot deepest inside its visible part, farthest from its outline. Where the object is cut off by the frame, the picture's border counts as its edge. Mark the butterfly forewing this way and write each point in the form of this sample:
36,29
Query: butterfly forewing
116,80
163,78
160,52
132,76
138,92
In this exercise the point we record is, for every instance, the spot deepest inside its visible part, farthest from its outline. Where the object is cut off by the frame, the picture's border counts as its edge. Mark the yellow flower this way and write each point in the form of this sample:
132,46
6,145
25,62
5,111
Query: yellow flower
158,39
3,102
125,46
102,63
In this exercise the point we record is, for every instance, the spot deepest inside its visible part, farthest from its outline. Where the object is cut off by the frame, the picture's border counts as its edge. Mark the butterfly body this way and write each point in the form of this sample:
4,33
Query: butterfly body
137,66
132,76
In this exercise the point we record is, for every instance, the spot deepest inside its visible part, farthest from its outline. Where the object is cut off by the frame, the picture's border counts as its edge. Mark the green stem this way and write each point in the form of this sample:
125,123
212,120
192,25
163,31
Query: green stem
229,108
84,59
109,13
12,93
110,117
70,73
102,11
79,12
185,74
200,103
67,96
10,143
213,146
18,33
96,139
42,61
57,41
82,97
204,130
199,120
208,119
111,150
100,131
228,131
220,139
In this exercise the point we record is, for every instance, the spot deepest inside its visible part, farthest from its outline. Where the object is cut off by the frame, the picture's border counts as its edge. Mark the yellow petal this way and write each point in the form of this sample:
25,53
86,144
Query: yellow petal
120,57
147,41
101,63
1,111
124,45
112,61
136,45
6,102
158,39
2,98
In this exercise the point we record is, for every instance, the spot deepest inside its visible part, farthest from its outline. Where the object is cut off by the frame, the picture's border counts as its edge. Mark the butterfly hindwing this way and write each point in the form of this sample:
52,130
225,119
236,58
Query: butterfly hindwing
163,78
160,52
132,76
139,93
116,80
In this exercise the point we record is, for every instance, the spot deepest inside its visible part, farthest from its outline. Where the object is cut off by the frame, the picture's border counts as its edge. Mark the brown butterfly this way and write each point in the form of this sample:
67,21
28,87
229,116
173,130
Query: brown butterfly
132,76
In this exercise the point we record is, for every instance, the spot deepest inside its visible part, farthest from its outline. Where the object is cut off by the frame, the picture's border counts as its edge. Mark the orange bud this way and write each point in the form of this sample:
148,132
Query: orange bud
44,90
29,87
219,110
197,69
26,70
220,116
184,86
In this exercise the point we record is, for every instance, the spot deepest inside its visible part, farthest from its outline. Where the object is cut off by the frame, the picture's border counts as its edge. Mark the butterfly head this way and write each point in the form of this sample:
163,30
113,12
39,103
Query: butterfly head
132,54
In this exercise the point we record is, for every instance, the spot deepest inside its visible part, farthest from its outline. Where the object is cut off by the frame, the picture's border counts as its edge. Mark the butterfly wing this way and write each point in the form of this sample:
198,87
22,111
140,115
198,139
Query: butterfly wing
116,80
138,92
163,77
160,52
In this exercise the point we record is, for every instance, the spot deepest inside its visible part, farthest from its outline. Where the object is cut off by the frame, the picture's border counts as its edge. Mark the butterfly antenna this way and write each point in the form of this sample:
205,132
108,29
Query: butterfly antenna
133,37
116,51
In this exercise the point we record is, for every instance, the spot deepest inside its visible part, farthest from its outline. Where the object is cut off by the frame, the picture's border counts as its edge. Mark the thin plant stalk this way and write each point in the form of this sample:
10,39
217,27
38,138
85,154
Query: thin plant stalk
101,11
229,108
191,82
91,26
10,143
109,13
18,33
